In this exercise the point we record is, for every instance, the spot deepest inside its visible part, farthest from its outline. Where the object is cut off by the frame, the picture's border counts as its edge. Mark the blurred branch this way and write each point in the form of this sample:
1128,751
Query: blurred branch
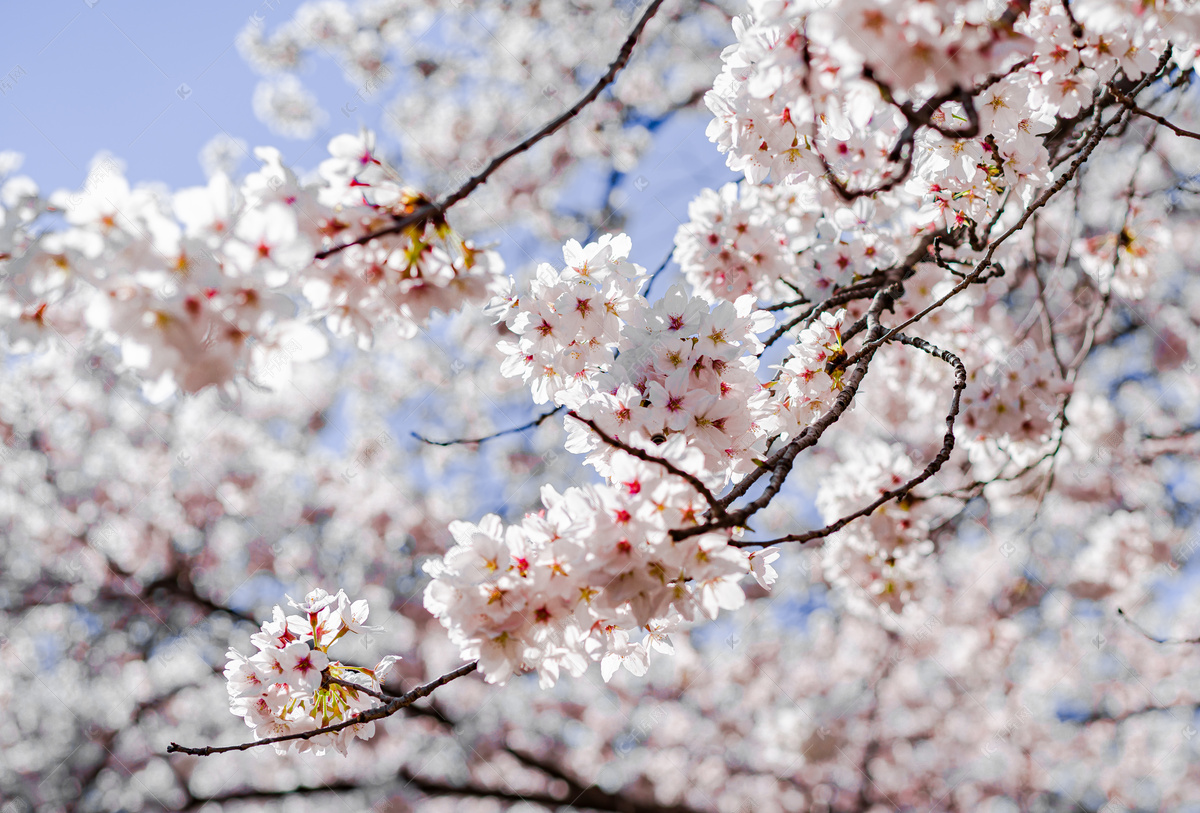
179,584
1145,633
591,798
1100,716
579,795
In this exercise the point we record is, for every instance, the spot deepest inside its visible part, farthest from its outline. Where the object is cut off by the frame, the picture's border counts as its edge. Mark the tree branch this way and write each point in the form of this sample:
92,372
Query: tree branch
431,210
1100,716
780,464
377,713
538,421
1154,638
1089,145
1132,106
943,455
590,798
692,480
328,679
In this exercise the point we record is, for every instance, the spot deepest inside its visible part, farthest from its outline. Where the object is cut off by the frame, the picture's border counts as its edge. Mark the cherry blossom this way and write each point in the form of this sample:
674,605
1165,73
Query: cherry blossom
290,685
887,498
211,277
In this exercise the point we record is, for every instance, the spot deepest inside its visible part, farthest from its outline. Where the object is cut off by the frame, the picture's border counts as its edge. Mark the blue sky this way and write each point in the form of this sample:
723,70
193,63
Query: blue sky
79,76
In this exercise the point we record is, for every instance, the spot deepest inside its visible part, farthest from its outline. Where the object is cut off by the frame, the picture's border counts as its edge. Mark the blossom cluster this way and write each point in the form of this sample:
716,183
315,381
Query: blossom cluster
213,282
588,341
777,241
596,575
1126,260
291,685
880,562
811,93
802,61
675,379
809,380
736,242
1123,548
1013,398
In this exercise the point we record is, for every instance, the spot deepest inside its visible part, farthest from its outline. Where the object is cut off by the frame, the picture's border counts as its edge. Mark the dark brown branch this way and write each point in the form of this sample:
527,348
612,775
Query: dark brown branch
538,421
1091,141
791,303
431,210
943,455
857,291
329,680
377,713
861,289
872,285
1101,716
782,461
743,485
1132,106
1154,638
692,480
769,465
915,118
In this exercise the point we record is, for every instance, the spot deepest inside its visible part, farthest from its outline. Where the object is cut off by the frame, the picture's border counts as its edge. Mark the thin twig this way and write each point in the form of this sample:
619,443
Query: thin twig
534,423
857,291
1154,638
431,210
328,679
1132,106
692,480
1101,716
662,267
1180,434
